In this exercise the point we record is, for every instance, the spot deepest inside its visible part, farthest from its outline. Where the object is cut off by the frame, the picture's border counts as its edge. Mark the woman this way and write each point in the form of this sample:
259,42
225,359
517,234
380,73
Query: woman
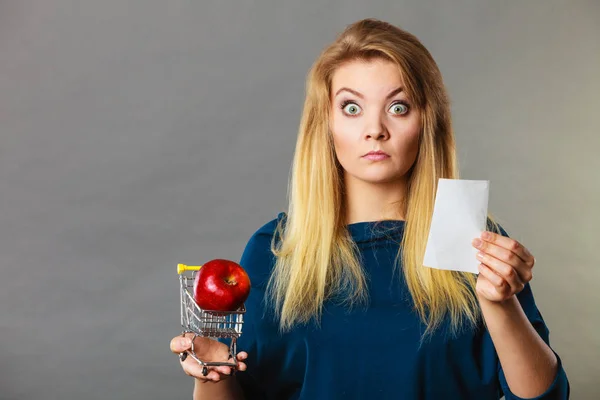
341,306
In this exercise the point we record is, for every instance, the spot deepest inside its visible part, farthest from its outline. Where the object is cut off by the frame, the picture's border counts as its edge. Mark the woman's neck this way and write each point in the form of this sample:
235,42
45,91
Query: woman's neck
367,201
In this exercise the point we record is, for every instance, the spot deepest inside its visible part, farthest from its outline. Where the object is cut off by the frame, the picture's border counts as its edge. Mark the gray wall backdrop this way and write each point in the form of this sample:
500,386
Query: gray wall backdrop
139,134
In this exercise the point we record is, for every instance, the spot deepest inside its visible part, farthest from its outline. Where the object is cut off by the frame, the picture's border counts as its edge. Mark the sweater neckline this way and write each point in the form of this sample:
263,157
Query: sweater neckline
370,231
367,231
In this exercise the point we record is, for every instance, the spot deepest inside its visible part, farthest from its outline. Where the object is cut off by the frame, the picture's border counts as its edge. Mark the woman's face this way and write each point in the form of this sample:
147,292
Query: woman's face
371,112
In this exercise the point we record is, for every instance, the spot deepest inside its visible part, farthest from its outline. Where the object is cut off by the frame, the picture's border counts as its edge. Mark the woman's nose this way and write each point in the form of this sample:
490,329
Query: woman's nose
376,129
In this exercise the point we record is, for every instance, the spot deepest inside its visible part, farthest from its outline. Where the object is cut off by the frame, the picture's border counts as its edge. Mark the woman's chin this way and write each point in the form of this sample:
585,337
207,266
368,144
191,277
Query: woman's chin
383,179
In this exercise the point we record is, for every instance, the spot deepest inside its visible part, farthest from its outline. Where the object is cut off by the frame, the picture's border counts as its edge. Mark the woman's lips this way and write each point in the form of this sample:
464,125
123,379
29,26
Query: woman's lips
376,156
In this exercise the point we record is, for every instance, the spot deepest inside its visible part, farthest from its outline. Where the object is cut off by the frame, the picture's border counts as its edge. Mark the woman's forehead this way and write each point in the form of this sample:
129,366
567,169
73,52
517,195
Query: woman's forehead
375,78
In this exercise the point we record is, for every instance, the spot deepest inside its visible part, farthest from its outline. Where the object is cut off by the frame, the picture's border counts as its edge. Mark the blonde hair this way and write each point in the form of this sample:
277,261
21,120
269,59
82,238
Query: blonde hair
316,258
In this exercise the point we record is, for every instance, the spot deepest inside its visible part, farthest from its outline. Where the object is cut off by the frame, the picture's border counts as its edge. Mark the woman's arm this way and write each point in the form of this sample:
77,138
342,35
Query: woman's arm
226,389
528,363
528,367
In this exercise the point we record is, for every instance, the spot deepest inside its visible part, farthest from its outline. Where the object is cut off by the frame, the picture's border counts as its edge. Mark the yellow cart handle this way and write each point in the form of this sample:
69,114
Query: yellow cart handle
182,267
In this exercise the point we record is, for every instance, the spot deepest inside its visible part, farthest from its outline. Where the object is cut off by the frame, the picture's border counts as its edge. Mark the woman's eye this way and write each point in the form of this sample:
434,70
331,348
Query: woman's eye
351,108
399,108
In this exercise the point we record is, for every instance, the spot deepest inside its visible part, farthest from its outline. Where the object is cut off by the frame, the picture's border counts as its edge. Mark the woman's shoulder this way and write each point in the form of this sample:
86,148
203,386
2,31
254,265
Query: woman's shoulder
258,259
269,229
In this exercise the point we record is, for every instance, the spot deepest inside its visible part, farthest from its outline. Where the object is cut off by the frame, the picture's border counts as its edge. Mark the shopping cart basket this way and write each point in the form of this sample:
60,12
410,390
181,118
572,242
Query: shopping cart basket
207,323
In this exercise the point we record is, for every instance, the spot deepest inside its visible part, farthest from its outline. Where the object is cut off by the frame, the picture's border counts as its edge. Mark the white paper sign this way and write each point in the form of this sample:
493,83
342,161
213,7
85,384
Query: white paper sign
459,216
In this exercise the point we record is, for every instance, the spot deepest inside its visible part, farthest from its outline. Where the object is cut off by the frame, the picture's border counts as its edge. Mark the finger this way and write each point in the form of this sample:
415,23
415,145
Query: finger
192,368
242,355
510,274
499,252
241,366
507,257
494,289
492,277
213,376
509,244
485,287
180,344
224,370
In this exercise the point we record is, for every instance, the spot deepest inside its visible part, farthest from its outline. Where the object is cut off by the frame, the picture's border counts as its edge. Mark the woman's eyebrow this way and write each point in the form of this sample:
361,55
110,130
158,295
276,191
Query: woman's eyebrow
354,92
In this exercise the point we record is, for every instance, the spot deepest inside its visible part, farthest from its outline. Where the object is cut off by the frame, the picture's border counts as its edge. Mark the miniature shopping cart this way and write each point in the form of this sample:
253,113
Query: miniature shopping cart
207,323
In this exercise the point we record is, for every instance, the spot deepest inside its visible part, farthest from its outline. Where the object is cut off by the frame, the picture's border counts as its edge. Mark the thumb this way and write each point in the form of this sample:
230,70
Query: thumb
180,344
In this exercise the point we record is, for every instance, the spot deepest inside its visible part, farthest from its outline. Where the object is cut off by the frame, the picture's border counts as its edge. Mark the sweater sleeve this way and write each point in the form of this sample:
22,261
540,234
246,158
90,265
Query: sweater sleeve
560,388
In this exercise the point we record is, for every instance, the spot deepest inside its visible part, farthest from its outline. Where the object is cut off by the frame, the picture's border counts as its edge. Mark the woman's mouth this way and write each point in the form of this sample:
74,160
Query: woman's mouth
376,155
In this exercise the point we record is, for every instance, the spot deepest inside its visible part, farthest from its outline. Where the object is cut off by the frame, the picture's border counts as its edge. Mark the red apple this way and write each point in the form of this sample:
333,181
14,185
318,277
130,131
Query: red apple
221,285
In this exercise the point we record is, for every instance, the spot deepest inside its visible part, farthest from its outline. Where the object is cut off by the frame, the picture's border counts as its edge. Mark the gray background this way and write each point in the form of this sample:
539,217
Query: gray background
139,134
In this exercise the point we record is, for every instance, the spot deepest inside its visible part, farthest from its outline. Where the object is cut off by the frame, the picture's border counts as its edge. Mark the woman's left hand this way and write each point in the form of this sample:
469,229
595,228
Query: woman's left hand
505,266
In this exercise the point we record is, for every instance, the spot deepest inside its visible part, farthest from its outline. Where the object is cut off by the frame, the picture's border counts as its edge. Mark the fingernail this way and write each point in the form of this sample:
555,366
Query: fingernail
476,243
485,235
185,342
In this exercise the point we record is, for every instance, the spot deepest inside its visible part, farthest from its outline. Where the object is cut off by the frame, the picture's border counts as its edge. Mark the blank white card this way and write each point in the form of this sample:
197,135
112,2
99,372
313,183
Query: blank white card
459,216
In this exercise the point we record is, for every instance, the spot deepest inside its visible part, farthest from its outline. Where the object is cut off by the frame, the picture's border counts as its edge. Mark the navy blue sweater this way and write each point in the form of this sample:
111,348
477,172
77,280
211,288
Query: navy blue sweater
369,352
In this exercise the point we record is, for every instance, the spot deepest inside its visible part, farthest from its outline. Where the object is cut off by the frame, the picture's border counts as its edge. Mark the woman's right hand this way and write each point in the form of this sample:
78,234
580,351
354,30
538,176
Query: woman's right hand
206,350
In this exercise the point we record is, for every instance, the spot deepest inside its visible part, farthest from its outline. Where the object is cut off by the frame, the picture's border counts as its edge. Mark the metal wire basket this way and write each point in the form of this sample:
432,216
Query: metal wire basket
207,323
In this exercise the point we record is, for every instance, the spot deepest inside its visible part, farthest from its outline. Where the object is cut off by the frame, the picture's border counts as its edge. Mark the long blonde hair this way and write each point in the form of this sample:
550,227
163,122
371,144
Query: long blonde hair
316,259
